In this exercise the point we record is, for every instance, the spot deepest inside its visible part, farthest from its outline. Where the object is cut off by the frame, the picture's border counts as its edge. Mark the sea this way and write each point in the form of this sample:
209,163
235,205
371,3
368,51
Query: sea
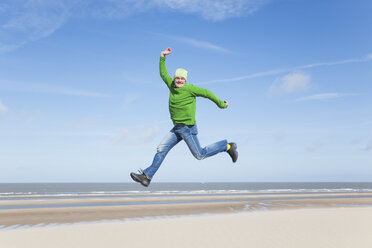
66,190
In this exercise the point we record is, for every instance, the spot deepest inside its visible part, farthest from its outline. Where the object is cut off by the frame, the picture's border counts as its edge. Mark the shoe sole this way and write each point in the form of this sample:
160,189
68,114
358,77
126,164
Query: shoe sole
234,146
134,177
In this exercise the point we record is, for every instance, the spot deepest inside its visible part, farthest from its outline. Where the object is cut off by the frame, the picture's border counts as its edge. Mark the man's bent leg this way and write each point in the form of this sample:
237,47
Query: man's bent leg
189,134
164,147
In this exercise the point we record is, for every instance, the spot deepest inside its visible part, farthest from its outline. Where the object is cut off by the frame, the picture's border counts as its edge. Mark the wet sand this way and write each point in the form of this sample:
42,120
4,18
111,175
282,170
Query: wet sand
43,211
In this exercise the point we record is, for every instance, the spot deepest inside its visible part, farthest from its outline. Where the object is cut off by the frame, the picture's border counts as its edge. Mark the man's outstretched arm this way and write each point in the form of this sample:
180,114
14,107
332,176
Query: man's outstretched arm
163,69
198,91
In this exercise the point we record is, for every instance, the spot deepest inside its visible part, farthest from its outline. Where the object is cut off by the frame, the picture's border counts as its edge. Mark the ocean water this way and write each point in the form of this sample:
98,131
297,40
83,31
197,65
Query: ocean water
29,190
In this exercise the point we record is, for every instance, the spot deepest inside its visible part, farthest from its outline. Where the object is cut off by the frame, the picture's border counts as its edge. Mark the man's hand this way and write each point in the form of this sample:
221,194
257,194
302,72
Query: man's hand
227,104
166,52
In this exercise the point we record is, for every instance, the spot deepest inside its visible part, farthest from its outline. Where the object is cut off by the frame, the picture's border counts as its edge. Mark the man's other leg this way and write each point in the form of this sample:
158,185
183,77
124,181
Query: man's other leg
162,150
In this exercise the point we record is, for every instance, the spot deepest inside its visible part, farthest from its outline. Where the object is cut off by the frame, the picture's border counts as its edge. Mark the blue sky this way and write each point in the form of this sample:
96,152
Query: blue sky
81,99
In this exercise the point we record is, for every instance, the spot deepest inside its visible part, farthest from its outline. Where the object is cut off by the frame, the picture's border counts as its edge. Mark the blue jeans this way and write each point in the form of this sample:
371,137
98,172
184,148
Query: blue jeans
189,135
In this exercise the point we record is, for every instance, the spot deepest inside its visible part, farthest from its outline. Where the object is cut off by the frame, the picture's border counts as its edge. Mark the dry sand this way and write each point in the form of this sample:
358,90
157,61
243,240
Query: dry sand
332,220
298,228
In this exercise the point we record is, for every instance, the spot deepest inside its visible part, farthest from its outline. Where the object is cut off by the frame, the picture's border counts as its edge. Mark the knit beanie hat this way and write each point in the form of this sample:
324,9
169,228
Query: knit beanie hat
180,73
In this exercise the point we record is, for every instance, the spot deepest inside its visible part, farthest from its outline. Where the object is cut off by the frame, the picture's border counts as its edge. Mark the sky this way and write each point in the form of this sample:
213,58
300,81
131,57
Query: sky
81,99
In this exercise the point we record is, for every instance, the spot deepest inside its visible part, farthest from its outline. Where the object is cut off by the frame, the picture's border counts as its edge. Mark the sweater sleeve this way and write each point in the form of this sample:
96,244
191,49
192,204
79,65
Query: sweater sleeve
198,91
163,72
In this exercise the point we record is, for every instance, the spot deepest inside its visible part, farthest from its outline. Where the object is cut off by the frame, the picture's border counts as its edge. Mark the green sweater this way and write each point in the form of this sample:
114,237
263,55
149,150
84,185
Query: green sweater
182,103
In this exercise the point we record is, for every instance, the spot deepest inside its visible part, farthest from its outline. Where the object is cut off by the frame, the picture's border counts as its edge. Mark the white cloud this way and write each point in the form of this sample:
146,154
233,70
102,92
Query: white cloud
149,134
302,67
74,92
254,75
47,89
130,98
4,48
3,7
214,10
40,18
313,147
291,83
62,133
3,109
323,96
193,42
25,21
369,145
203,44
332,63
280,136
366,123
136,136
112,9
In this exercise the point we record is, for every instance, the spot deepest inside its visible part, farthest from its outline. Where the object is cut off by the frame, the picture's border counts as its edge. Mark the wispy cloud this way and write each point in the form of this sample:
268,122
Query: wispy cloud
193,42
25,21
340,62
367,123
211,10
324,96
47,89
4,48
214,10
63,133
130,99
366,58
73,92
291,83
369,145
280,136
3,109
313,147
135,136
254,75
202,44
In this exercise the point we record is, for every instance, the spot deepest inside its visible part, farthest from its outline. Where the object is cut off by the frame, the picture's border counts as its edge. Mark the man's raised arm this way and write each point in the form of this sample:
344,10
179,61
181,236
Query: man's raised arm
163,69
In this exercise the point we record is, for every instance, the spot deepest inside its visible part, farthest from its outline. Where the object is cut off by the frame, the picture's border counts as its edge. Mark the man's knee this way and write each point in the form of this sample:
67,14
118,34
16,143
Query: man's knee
162,149
198,156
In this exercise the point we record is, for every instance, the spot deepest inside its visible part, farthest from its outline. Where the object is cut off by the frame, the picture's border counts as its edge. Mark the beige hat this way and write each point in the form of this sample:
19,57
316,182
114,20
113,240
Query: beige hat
180,73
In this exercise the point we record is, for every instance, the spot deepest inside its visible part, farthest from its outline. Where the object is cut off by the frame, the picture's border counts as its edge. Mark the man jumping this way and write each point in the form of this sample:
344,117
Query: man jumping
182,106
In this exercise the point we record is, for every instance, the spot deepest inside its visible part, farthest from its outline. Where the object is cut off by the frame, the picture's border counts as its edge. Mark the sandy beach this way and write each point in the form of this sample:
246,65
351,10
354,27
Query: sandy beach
47,210
327,227
198,220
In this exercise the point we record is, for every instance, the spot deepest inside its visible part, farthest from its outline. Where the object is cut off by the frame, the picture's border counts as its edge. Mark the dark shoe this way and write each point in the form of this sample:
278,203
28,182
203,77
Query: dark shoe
141,178
233,152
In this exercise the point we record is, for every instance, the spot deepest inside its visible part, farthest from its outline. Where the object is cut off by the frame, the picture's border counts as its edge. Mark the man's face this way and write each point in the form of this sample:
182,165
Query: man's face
179,82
